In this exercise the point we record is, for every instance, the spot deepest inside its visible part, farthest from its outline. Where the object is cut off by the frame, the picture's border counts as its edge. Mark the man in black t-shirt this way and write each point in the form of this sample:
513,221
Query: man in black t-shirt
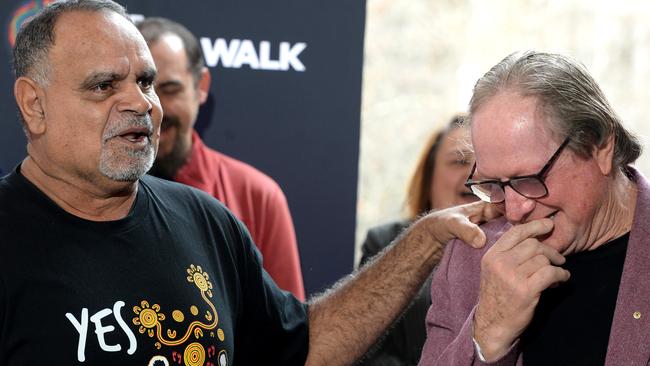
103,266
154,284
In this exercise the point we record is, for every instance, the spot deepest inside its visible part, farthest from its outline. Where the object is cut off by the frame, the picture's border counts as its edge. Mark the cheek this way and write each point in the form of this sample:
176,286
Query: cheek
582,191
442,193
181,107
156,110
74,127
166,141
578,201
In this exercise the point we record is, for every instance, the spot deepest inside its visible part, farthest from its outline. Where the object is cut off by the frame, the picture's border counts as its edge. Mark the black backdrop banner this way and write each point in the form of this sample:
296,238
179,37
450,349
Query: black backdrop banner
285,98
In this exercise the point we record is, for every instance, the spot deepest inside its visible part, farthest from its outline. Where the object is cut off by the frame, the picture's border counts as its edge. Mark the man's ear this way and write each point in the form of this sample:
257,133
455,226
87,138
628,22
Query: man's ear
30,97
204,85
604,155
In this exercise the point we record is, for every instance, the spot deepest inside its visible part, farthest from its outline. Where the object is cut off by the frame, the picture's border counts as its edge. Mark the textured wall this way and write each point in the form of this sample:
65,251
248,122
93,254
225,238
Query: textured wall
422,58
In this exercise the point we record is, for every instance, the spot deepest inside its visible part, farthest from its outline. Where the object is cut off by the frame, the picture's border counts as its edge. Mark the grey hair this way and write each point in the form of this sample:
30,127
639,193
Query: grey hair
154,28
570,98
36,36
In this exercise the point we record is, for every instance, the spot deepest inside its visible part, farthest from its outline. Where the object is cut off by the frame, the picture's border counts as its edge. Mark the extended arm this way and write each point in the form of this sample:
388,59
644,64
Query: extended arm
346,320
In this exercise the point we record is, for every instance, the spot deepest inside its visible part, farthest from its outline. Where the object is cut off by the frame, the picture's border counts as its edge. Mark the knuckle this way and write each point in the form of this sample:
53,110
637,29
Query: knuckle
516,230
539,250
542,260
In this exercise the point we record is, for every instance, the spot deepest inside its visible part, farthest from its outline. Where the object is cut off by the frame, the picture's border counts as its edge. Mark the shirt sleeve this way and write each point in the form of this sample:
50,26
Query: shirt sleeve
272,325
278,243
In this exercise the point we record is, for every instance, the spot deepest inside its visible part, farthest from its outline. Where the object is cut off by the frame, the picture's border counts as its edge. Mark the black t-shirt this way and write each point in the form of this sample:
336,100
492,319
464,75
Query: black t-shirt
572,322
177,281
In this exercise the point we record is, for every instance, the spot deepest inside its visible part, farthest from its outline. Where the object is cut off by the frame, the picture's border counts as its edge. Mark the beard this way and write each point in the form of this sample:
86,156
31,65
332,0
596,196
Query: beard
167,166
123,163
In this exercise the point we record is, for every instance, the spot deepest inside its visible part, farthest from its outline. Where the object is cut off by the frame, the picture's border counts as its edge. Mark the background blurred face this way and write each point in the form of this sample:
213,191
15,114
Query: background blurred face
453,163
102,115
510,139
180,98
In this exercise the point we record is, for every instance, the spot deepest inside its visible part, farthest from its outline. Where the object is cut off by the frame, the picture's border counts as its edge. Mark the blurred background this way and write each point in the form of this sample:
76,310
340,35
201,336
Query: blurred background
423,57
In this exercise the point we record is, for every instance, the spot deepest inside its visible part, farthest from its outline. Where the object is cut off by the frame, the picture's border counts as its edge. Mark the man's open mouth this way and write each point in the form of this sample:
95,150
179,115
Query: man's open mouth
135,135
552,215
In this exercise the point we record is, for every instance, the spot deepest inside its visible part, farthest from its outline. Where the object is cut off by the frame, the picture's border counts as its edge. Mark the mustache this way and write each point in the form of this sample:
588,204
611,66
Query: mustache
169,121
119,128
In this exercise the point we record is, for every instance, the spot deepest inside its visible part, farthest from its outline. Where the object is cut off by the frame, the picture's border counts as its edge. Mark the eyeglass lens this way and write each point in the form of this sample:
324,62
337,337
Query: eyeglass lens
493,192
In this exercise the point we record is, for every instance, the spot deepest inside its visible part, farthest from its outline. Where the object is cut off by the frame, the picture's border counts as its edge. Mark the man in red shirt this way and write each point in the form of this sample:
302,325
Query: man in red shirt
182,85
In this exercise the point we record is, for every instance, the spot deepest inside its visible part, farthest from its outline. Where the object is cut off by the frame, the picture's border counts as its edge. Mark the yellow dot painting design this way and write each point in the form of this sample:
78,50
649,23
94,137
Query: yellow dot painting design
150,320
178,316
147,317
194,354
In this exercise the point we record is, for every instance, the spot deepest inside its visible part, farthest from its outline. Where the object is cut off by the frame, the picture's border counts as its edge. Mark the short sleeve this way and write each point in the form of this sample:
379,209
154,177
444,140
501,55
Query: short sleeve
272,325
276,238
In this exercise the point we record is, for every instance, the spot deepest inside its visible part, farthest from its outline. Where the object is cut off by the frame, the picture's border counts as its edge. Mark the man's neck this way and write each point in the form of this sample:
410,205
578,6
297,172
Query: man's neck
617,213
82,198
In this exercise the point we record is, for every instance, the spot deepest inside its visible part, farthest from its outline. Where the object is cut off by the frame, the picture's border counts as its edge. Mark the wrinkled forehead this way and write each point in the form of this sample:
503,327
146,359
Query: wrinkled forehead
84,39
510,129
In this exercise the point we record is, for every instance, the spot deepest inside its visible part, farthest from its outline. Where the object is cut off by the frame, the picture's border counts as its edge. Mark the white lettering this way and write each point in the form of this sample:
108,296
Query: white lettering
236,53
117,311
100,330
265,57
289,56
219,50
246,55
82,328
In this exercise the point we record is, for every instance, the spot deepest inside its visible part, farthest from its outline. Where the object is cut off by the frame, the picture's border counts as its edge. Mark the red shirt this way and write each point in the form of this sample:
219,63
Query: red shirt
257,200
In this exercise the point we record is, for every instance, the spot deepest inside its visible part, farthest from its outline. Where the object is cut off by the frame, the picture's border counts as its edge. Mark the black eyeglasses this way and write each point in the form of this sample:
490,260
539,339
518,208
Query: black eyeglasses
529,186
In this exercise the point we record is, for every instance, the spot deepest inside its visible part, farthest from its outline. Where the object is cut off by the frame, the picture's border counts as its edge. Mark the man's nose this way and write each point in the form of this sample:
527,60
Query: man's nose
135,100
517,207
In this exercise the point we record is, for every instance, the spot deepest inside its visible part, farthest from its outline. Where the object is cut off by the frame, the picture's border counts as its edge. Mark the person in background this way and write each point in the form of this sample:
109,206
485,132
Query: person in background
183,84
438,182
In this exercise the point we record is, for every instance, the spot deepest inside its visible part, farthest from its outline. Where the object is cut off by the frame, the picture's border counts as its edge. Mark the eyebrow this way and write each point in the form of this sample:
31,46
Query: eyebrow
103,76
461,151
148,74
97,77
167,83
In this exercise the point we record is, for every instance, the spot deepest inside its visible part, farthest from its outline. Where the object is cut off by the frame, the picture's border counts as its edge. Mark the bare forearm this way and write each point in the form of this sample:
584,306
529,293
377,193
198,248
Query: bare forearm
348,319
345,321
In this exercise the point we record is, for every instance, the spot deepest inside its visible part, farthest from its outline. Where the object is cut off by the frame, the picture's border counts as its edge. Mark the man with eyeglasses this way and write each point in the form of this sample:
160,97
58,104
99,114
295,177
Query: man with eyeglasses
563,277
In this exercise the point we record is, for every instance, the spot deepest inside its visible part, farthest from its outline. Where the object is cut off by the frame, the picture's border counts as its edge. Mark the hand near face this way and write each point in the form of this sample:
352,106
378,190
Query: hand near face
458,222
514,272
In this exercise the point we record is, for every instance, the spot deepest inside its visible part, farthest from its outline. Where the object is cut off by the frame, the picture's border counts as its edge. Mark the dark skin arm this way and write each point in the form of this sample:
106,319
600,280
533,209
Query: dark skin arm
346,320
